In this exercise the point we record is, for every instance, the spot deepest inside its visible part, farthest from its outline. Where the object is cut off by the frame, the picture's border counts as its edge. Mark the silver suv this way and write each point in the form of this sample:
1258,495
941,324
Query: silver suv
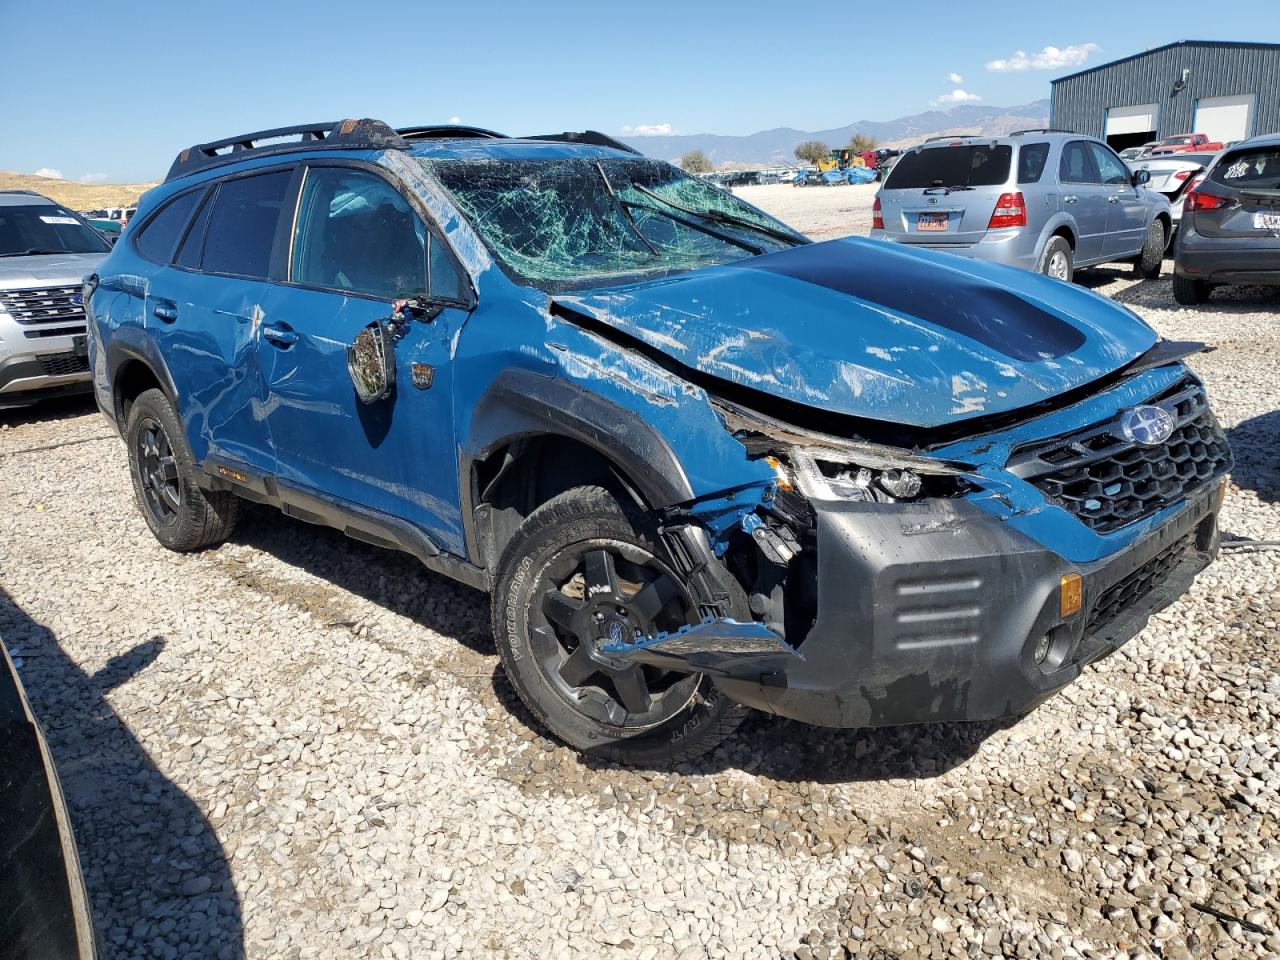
45,253
1042,200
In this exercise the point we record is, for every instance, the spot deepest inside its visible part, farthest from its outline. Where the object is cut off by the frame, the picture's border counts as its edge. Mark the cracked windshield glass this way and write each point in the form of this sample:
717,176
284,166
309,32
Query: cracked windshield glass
580,222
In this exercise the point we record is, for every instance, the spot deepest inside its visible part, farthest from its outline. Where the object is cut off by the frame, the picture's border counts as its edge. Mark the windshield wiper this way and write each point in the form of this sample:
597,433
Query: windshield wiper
719,216
694,225
33,252
626,214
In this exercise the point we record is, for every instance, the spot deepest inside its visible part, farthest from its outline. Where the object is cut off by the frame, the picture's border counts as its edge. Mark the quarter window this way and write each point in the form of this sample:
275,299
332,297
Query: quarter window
1110,166
160,234
1076,167
357,233
1031,162
242,225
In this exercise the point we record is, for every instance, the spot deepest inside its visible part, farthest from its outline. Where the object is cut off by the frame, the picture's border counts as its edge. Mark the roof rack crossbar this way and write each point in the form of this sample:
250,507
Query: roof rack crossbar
1019,133
339,134
593,137
446,131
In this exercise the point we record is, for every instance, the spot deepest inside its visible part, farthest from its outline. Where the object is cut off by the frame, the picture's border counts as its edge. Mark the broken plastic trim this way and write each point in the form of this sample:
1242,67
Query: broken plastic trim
718,647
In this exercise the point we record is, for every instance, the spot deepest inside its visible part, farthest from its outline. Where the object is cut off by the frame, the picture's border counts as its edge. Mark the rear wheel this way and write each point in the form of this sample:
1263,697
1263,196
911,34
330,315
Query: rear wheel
1057,260
181,515
579,573
1149,262
1189,292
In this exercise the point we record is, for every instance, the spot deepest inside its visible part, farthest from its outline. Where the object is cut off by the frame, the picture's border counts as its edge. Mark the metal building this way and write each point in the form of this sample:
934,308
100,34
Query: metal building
1229,91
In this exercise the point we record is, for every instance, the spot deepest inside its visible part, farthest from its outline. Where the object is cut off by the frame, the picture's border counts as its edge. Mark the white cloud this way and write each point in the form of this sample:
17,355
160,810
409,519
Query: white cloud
1050,58
455,119
93,177
955,78
49,172
649,130
958,96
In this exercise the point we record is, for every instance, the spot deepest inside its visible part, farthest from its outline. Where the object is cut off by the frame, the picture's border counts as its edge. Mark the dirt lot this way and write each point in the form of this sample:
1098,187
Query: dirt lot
298,746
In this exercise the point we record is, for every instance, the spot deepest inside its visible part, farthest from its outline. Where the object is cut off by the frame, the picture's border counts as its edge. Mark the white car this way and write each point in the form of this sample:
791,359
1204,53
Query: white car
1174,176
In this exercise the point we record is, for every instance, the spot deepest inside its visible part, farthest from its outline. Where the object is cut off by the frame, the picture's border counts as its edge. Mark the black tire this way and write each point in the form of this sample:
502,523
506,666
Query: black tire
575,697
181,515
1149,262
1189,292
1058,260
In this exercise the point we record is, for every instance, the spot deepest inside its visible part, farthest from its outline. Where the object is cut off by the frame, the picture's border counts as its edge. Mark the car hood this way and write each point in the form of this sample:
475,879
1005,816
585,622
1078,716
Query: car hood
877,330
54,269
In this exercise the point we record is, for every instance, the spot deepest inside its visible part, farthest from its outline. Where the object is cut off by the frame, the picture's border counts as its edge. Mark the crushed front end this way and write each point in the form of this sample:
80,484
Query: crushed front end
966,580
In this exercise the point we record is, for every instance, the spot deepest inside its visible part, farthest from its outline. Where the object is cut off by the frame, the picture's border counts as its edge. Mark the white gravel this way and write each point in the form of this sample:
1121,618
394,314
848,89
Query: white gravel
297,746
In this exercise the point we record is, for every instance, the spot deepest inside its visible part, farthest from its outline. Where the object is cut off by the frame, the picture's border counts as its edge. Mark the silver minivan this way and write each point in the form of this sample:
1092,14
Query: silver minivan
1042,200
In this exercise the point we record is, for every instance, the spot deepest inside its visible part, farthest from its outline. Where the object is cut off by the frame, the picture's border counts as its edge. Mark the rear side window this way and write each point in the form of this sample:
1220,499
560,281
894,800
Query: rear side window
1254,169
1031,162
969,165
242,225
1110,167
1075,166
193,243
161,233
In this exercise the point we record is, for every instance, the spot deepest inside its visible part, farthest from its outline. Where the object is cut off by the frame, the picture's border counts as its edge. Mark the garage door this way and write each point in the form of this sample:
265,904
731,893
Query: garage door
1131,126
1225,118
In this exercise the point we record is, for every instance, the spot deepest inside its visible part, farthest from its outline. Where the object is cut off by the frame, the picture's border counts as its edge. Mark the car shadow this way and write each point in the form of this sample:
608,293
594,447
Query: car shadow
52,408
140,837
1255,443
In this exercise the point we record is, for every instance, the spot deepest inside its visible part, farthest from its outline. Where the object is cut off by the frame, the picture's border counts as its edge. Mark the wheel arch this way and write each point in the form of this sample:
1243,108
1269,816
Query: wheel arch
533,436
134,367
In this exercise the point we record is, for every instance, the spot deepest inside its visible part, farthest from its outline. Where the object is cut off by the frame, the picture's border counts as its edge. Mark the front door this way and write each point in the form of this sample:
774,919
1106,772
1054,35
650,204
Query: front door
1084,198
1126,211
358,246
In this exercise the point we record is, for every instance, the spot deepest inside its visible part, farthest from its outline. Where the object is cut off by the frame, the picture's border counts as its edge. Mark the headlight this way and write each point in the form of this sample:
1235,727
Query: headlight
826,480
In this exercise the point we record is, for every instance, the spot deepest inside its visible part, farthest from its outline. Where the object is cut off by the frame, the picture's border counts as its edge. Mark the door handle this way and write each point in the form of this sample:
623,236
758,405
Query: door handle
166,311
1070,198
281,334
1113,199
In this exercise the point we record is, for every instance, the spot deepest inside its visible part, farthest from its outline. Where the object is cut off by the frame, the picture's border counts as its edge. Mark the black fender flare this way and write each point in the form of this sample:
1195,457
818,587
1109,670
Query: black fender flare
132,344
522,403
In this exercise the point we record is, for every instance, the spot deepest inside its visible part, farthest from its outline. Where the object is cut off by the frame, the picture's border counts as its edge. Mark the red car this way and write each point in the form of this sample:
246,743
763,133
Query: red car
1185,143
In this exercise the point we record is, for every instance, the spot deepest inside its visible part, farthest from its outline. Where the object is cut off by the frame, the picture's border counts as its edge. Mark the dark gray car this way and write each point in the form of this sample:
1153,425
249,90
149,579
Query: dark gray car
1230,230
1041,200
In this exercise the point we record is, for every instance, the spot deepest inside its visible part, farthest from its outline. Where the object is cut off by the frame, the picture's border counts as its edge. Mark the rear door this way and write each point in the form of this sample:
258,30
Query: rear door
205,309
358,246
1084,199
945,194
1126,207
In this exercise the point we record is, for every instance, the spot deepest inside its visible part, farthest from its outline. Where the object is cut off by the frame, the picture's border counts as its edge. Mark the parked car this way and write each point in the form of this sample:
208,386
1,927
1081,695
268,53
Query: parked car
46,251
1043,201
699,462
110,220
1186,143
1173,176
1230,232
46,912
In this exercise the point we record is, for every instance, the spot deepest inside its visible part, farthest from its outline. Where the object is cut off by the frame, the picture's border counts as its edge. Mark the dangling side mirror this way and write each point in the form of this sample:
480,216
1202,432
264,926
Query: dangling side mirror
371,362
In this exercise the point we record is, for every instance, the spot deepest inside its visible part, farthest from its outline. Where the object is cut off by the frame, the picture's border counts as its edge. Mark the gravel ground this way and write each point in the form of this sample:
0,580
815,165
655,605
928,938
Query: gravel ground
299,746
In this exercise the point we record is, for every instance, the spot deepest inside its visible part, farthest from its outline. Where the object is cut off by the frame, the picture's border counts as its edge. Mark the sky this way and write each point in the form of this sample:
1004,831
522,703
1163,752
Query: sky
110,92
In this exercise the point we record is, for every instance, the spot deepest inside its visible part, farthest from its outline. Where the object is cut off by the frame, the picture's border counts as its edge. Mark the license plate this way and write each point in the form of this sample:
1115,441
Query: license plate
1265,221
933,221
80,346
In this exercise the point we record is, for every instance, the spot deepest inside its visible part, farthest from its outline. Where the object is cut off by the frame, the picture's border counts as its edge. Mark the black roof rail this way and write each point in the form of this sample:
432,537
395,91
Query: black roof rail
1019,133
362,134
446,131
593,137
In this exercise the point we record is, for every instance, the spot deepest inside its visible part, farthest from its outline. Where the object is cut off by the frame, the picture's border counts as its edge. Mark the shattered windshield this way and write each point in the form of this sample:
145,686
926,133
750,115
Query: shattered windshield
566,223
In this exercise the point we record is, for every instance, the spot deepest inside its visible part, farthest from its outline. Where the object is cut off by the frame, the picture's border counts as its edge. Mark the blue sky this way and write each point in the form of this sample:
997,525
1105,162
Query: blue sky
111,91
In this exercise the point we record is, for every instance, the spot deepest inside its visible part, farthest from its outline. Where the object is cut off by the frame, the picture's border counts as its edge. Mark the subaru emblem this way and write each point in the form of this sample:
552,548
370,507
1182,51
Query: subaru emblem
1147,425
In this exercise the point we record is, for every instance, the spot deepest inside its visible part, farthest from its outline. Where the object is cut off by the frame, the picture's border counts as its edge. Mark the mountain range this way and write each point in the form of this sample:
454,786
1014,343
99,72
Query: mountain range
777,146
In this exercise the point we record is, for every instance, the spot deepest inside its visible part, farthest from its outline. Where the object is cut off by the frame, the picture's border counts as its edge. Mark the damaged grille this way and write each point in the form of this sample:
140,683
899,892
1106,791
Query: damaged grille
1107,481
1136,585
46,305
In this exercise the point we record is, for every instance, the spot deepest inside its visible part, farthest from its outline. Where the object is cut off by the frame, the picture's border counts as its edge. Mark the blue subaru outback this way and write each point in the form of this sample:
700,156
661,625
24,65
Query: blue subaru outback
700,463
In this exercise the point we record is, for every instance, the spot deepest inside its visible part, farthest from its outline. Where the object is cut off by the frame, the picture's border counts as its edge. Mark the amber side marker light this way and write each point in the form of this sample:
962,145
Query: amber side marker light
1223,484
1070,594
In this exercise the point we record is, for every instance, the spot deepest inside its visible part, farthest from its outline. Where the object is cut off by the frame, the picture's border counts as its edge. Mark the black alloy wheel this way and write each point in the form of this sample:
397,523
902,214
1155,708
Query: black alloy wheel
158,471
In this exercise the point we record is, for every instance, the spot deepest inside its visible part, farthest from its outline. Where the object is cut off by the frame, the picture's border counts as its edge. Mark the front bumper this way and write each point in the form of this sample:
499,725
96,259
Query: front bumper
34,365
931,612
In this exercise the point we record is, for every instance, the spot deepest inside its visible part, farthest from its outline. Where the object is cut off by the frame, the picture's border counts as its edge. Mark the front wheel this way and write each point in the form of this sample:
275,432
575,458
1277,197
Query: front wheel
1057,260
577,574
1149,262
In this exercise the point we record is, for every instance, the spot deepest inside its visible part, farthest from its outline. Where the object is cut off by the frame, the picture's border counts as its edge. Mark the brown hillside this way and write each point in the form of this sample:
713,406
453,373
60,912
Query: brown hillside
77,196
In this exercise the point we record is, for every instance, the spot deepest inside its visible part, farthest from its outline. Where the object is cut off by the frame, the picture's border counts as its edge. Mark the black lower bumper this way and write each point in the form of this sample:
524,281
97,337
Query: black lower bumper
933,612
1257,264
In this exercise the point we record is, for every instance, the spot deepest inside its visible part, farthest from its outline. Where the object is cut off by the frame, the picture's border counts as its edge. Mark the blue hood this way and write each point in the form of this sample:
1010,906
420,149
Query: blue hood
879,331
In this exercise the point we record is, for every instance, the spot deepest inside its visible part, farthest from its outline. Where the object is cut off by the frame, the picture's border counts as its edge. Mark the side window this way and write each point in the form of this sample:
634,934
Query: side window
1075,166
1031,161
356,233
1110,166
161,233
193,243
445,281
242,225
